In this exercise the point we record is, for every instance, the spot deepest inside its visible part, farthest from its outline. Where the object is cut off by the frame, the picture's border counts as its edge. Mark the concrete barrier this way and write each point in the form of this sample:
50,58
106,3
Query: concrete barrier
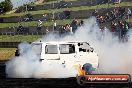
32,30
9,44
12,19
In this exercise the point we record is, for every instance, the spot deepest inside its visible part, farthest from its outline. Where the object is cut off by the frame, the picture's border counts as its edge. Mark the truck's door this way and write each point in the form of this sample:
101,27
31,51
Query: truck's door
51,52
86,54
67,53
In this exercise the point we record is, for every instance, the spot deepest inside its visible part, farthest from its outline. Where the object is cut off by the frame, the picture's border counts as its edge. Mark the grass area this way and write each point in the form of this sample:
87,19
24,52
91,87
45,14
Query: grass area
72,9
130,20
4,25
51,2
19,38
34,23
7,53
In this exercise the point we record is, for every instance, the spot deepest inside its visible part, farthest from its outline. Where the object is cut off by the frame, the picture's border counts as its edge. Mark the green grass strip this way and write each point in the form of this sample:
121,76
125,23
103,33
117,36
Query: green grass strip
51,2
34,23
19,38
72,9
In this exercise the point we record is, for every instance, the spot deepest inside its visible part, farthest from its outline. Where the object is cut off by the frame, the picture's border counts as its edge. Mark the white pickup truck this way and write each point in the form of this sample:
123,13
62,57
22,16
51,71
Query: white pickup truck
68,53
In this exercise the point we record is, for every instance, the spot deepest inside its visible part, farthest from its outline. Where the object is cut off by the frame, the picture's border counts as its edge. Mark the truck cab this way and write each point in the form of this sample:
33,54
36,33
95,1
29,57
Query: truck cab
67,53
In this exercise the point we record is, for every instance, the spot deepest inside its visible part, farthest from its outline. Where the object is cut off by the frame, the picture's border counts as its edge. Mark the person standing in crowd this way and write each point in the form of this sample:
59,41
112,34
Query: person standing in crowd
129,12
47,30
95,13
45,16
113,27
117,1
68,29
39,25
74,25
55,25
81,23
61,30
117,29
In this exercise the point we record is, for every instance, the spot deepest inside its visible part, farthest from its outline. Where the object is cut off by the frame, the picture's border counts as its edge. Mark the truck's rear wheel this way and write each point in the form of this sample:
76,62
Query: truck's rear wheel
81,80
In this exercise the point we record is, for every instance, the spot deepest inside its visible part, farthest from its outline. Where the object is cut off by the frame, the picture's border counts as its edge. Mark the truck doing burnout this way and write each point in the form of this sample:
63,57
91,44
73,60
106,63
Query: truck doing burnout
66,53
78,54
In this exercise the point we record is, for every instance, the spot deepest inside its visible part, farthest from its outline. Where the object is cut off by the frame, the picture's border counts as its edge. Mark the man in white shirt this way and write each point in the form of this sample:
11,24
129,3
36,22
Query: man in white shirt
55,25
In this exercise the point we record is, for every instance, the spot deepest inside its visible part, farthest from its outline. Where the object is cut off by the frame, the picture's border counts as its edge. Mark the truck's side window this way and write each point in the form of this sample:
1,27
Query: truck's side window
51,49
37,48
67,48
84,47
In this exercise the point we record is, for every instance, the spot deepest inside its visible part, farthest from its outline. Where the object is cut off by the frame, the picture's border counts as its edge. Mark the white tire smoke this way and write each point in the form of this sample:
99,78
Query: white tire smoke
114,56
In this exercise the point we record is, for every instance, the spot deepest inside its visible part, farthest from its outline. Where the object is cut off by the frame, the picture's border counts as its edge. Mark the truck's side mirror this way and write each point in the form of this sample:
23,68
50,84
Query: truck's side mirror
91,49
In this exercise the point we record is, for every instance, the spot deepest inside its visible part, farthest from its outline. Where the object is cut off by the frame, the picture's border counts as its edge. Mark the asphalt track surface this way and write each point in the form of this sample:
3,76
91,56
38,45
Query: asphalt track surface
46,83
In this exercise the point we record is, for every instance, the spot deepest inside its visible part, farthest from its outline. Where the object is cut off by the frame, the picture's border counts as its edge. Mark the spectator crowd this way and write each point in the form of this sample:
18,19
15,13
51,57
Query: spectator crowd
116,17
71,28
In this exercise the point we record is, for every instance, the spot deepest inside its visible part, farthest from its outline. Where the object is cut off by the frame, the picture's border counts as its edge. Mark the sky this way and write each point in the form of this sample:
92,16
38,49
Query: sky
17,3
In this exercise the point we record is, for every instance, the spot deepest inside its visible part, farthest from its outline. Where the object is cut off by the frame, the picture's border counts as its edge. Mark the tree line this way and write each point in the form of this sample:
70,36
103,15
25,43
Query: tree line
5,6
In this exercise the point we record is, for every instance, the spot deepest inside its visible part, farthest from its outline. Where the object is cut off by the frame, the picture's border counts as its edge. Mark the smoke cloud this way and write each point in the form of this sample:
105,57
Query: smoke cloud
114,56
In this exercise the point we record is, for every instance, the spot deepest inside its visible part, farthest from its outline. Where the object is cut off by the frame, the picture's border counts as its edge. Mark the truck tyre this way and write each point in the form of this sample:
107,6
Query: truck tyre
81,80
